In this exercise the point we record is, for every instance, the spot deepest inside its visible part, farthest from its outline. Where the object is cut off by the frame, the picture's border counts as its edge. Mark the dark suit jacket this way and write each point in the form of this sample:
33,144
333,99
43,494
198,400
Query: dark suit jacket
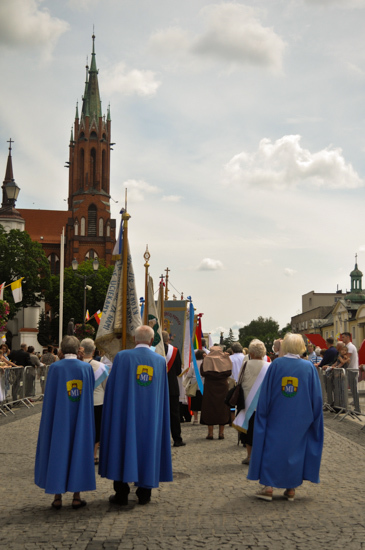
20,358
173,374
329,357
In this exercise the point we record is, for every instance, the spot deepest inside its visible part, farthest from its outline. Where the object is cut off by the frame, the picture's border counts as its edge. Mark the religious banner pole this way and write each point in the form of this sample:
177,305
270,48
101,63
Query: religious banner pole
125,218
161,300
146,256
167,283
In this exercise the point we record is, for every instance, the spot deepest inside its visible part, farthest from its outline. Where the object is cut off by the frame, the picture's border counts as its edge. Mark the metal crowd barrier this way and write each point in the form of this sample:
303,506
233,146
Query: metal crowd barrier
335,384
21,385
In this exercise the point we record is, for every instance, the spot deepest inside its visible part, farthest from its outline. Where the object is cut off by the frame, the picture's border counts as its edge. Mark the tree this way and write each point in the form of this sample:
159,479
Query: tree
265,330
22,257
285,330
73,298
227,342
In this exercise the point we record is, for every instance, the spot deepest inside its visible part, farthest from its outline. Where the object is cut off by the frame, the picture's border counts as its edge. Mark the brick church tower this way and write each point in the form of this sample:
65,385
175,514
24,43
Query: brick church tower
90,231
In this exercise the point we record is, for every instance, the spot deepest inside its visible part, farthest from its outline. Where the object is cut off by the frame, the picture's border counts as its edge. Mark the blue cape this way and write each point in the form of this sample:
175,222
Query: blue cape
65,448
135,430
288,432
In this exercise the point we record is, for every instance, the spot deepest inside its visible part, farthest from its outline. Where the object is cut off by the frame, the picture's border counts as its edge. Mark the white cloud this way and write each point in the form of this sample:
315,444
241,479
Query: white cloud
207,264
171,198
289,272
82,5
362,248
233,35
23,24
137,189
345,4
120,80
172,41
284,164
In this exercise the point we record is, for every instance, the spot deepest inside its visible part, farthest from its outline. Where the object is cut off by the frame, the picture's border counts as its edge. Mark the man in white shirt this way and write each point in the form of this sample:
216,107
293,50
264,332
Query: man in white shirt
352,369
237,359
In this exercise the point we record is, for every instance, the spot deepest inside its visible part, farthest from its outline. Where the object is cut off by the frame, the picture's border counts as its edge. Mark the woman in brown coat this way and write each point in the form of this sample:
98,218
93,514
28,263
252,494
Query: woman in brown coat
216,368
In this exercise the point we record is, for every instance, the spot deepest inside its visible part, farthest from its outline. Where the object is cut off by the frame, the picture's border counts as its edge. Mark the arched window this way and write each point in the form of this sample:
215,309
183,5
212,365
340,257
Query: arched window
83,226
91,220
101,227
108,229
76,228
92,167
103,172
91,255
81,168
54,263
93,135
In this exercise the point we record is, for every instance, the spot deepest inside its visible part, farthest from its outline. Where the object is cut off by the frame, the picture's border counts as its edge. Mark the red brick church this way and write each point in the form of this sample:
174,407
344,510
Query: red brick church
89,229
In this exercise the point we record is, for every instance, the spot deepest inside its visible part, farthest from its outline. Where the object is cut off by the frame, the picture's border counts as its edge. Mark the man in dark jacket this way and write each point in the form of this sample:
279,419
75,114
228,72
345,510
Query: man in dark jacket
330,355
173,361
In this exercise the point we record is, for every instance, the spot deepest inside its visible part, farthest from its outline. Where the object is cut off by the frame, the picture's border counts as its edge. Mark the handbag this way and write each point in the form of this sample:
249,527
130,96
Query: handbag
191,389
235,396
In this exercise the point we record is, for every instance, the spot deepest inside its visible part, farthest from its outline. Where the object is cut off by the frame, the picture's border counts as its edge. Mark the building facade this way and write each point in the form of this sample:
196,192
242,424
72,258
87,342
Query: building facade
89,229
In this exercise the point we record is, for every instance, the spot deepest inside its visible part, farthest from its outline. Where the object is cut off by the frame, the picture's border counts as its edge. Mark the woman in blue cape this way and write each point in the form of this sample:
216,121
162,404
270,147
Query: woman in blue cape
288,436
65,448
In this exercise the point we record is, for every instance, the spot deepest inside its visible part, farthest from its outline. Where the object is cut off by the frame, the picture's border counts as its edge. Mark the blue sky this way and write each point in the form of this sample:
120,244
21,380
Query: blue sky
238,130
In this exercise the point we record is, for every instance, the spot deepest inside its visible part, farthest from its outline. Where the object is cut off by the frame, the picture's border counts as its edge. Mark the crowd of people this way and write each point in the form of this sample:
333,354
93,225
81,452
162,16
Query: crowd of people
122,416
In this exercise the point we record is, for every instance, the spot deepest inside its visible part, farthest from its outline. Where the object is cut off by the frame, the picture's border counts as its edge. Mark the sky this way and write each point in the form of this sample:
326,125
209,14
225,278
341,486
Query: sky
238,130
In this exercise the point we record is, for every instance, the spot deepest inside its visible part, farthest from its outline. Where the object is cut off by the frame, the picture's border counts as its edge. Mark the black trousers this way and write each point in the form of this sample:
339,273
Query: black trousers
122,490
175,418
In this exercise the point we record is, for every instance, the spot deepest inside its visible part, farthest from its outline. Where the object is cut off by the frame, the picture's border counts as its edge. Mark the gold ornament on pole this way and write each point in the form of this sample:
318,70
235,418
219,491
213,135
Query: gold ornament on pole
146,256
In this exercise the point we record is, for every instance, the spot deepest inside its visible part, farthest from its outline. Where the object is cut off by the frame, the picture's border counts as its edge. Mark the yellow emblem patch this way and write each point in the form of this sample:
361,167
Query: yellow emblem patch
289,386
74,390
144,375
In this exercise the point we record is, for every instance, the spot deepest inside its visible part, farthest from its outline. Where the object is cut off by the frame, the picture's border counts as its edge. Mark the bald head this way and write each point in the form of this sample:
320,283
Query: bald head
144,335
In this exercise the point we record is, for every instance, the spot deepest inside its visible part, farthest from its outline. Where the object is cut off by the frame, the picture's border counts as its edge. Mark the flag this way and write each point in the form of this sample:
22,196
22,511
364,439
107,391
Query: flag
16,288
2,291
87,316
118,247
110,327
97,316
197,372
153,319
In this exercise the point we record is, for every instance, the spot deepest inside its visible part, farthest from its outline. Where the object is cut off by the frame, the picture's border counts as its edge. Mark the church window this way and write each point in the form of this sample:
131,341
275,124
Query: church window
104,172
83,226
93,135
93,167
91,220
54,262
81,168
101,227
108,229
91,255
76,228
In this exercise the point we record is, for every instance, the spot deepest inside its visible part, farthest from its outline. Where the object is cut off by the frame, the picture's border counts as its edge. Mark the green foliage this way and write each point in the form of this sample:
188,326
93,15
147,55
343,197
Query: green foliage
22,257
73,297
227,342
44,336
84,331
285,330
266,330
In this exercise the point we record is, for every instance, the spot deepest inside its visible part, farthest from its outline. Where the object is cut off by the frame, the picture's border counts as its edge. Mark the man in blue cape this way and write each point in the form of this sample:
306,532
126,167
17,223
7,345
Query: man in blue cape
65,449
288,435
135,430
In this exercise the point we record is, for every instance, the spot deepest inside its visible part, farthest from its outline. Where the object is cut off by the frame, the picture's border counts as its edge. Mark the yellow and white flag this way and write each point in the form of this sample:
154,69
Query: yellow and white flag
2,291
153,319
16,288
110,328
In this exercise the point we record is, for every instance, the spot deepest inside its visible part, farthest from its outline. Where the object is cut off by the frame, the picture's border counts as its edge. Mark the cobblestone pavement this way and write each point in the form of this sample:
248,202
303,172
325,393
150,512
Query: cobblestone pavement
210,504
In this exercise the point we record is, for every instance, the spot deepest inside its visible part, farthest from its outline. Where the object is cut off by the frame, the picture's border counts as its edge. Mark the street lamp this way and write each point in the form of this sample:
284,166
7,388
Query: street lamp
12,192
75,265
